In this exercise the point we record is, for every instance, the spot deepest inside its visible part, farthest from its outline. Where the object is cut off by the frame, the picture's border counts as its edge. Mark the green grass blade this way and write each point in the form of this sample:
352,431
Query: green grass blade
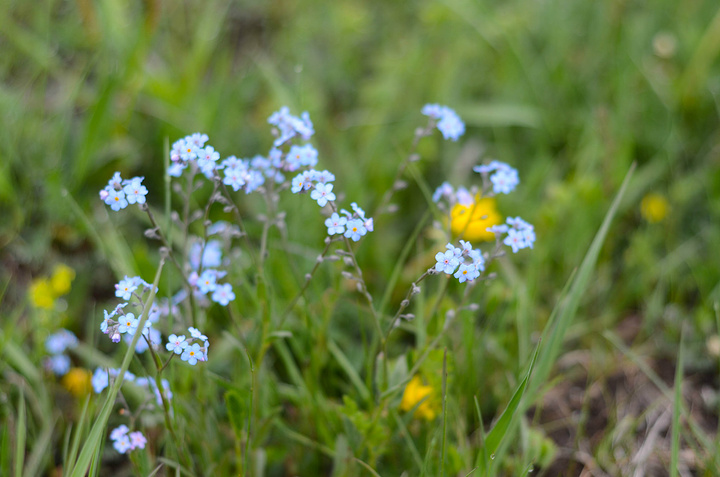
347,366
503,425
94,440
41,449
21,435
677,409
79,432
566,308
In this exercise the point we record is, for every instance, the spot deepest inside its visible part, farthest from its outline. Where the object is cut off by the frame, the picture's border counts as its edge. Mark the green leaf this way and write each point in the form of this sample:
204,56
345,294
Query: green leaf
503,425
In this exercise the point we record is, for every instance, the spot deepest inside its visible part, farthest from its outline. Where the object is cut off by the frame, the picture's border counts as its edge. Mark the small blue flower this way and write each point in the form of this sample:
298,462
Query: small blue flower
322,194
134,191
125,288
504,180
300,156
444,191
335,224
58,342
355,228
223,294
451,126
176,169
99,380
289,126
207,161
207,281
127,323
449,123
122,444
116,199
515,240
234,177
118,432
176,344
446,261
302,182
58,364
192,354
466,273
195,333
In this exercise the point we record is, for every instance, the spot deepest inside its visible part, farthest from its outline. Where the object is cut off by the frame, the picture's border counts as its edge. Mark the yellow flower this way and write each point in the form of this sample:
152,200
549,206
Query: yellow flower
61,279
654,207
474,219
41,294
416,391
77,381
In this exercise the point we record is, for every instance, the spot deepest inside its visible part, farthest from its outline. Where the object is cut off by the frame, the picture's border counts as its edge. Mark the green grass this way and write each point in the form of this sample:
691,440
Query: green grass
571,94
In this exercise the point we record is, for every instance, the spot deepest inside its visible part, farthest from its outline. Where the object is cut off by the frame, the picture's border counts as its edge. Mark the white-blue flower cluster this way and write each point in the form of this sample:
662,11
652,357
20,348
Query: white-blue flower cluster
124,440
101,380
464,262
290,126
352,225
118,193
520,234
191,349
58,362
207,280
448,122
504,178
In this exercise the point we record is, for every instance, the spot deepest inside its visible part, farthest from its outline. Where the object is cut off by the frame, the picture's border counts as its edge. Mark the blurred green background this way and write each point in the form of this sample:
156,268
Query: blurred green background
569,93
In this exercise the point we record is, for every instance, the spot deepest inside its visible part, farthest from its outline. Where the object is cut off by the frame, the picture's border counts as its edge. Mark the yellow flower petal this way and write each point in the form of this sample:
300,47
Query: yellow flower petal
474,220
415,392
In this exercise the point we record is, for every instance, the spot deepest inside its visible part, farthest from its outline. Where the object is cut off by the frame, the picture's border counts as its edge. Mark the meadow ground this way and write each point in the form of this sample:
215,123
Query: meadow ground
595,352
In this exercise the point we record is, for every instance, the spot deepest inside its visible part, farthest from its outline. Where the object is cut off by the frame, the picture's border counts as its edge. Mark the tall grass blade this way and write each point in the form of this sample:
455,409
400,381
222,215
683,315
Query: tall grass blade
20,437
677,409
503,426
565,310
94,439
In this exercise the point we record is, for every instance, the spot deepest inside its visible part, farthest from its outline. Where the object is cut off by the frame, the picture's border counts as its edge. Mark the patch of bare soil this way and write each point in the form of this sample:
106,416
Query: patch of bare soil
612,416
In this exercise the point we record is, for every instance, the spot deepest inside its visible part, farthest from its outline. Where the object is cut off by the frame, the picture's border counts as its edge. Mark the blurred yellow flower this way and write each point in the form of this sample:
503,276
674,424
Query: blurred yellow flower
474,219
78,382
61,279
654,207
41,294
416,391
44,292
